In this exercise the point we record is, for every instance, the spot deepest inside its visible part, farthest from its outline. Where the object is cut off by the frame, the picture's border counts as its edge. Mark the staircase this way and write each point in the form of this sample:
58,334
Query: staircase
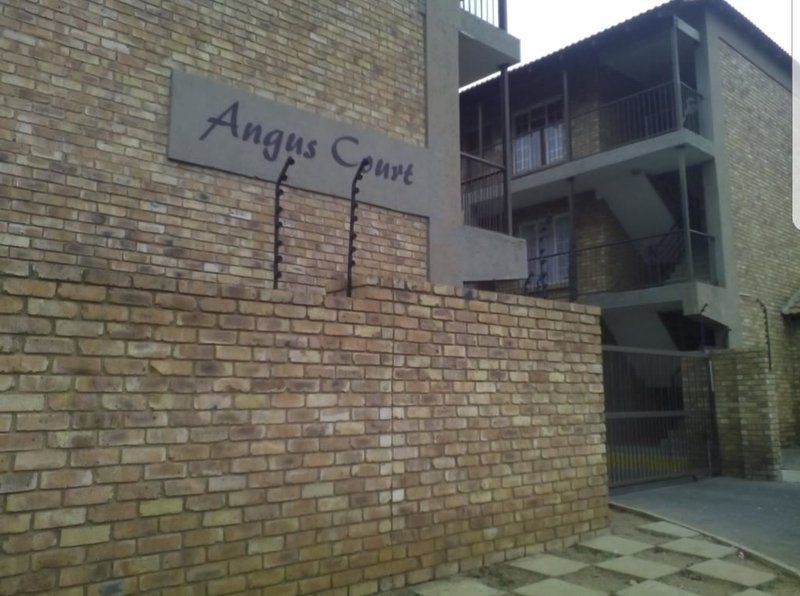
666,257
637,206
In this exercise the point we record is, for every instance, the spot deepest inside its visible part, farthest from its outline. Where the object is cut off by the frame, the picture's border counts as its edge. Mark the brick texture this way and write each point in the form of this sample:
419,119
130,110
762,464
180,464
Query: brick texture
84,178
746,396
229,439
767,245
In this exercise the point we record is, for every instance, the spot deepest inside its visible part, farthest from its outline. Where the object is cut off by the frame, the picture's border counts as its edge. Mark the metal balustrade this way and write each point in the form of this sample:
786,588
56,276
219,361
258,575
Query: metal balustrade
491,11
626,265
635,117
482,198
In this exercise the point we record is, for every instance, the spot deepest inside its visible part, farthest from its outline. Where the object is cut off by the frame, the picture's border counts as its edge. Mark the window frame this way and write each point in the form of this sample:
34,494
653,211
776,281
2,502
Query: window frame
544,149
558,260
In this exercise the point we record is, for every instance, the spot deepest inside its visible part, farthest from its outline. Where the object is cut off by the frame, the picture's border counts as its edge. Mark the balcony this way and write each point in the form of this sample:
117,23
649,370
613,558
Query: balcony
484,43
643,115
547,142
628,265
490,11
483,201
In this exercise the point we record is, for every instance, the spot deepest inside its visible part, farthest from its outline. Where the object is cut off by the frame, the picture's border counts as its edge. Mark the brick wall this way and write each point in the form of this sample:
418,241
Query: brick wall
584,95
84,178
766,244
194,437
747,401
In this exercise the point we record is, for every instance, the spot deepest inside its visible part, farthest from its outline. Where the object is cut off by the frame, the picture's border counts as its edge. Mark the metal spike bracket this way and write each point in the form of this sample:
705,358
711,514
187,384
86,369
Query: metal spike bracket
277,258
351,246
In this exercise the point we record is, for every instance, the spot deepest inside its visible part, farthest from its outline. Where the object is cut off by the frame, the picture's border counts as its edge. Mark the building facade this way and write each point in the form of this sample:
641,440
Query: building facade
175,417
652,177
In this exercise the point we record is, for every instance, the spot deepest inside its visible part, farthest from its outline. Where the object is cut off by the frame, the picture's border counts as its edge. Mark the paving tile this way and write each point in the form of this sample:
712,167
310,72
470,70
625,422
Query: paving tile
556,587
616,545
698,548
654,588
667,529
640,568
456,586
731,572
548,565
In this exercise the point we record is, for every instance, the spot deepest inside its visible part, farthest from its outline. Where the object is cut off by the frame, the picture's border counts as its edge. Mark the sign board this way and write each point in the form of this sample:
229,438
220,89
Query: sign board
218,126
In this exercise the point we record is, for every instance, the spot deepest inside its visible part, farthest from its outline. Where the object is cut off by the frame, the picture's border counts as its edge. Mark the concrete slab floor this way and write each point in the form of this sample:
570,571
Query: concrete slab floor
760,516
668,529
586,571
699,547
641,568
738,574
548,565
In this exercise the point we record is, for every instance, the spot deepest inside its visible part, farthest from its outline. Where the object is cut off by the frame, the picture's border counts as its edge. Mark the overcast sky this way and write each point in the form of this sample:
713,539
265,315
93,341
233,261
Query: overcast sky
544,26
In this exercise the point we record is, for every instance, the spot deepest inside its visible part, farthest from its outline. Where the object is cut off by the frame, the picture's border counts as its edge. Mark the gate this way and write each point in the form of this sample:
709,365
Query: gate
660,417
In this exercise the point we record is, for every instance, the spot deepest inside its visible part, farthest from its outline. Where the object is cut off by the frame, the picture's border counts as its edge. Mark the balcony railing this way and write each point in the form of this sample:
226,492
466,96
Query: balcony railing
621,266
642,115
482,198
491,11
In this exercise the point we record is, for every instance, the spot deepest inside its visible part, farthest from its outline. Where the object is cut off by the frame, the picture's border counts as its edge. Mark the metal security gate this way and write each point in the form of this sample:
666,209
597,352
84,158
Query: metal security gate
660,419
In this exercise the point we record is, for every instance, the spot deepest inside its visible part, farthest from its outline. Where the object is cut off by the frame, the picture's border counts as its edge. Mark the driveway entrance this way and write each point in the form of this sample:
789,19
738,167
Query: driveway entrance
660,420
760,516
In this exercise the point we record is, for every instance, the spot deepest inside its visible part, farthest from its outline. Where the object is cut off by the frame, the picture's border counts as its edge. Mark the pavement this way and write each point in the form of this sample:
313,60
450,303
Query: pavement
638,557
763,517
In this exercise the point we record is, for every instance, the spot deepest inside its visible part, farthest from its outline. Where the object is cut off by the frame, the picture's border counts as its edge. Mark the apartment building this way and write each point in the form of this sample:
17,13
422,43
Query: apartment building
650,174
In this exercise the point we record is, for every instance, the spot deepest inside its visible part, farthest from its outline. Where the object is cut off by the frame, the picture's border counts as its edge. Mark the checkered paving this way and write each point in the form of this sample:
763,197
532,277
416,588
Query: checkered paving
650,559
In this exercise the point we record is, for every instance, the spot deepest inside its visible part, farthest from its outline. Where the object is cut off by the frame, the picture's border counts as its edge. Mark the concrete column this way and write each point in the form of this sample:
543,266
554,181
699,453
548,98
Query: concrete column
573,271
676,76
687,228
505,110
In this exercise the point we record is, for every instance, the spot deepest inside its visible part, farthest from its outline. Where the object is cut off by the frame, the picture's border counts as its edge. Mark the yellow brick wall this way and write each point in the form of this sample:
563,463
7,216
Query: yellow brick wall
84,178
218,439
746,396
766,244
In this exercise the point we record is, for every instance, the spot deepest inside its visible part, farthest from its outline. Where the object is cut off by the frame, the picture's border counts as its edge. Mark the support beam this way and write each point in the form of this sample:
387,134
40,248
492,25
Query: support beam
688,30
505,111
567,121
480,129
502,15
687,229
676,75
573,261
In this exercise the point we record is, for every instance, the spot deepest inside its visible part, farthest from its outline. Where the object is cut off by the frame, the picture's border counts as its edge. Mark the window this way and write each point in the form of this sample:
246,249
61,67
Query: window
548,249
539,136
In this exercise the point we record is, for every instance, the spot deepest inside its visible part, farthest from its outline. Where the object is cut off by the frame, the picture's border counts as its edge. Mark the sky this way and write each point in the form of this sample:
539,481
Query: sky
532,20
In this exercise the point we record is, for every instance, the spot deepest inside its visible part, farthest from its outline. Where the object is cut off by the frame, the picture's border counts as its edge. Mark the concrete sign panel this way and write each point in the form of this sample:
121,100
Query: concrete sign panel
215,125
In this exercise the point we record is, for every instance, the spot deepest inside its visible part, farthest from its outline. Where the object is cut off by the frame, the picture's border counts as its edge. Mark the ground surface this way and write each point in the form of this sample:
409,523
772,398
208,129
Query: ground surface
763,516
639,557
